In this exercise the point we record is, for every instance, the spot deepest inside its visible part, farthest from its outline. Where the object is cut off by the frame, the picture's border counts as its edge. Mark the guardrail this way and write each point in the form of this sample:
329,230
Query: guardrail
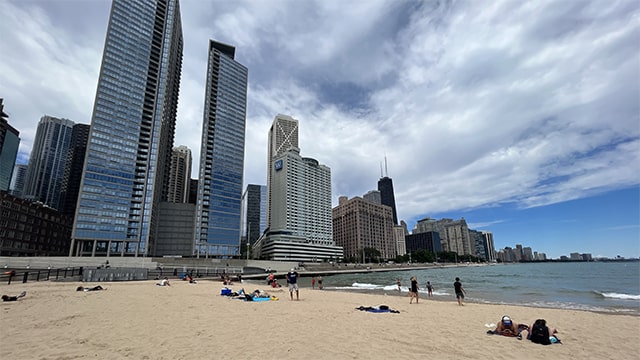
25,275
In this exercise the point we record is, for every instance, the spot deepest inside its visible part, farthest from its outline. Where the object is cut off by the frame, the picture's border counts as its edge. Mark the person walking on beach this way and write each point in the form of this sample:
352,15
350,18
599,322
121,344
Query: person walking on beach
313,282
292,280
413,293
320,282
429,289
398,283
457,286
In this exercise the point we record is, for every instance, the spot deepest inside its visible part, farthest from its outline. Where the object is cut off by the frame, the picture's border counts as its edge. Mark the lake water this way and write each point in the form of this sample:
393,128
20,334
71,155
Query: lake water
594,286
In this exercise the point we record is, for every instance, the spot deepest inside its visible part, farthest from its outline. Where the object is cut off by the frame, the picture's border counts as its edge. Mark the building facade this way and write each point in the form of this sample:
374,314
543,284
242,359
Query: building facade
126,168
179,175
73,169
360,224
17,180
221,155
254,213
30,228
429,241
9,143
48,158
283,135
301,227
387,197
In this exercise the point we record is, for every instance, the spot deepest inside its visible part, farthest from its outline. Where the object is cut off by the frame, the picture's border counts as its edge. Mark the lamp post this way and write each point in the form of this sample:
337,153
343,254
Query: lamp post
248,240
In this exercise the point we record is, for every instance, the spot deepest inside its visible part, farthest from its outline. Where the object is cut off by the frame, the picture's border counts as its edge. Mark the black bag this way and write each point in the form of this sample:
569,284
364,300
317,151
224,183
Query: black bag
540,332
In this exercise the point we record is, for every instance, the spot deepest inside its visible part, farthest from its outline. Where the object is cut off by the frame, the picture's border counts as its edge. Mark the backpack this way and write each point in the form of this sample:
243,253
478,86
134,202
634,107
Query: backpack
540,333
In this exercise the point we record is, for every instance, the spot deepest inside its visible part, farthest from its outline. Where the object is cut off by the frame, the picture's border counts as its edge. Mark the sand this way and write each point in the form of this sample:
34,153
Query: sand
138,320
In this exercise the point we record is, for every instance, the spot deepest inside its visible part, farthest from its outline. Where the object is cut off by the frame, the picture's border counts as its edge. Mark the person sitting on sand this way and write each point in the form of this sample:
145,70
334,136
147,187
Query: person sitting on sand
14,298
540,333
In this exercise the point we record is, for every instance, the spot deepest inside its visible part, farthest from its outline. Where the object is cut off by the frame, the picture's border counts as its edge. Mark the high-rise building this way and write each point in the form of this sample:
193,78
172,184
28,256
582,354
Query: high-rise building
73,169
126,169
301,226
283,135
17,180
47,161
9,143
490,247
221,155
180,175
373,196
387,197
359,224
254,212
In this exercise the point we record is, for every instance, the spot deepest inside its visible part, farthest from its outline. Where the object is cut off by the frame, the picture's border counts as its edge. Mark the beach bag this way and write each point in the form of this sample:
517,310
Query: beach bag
540,333
225,291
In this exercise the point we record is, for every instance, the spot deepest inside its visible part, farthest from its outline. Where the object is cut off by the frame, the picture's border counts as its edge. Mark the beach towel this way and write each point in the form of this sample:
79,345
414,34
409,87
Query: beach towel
377,309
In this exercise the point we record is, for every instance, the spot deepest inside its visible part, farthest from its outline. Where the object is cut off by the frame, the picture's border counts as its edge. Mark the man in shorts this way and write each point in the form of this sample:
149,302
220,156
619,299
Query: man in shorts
292,279
457,286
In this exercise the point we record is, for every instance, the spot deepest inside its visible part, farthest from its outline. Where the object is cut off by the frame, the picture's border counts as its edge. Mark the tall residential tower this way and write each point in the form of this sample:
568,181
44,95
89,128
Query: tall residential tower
221,155
126,167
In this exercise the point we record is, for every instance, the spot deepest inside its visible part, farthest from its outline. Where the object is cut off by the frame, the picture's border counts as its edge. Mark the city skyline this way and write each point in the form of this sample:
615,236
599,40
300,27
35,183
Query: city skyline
505,114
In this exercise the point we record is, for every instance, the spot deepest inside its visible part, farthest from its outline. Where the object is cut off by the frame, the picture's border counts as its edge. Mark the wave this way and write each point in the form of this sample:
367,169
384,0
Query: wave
613,295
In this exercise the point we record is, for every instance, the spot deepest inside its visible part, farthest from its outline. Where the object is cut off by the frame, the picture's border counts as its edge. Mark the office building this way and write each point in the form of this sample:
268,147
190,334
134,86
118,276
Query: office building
126,169
17,180
9,143
360,224
373,196
221,155
385,187
283,135
301,227
179,175
48,159
254,213
428,241
73,169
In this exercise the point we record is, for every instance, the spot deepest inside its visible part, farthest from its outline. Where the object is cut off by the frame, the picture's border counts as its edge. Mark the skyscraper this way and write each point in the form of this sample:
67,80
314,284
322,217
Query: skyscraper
17,180
47,161
254,212
385,187
73,169
180,175
126,168
283,135
221,155
9,142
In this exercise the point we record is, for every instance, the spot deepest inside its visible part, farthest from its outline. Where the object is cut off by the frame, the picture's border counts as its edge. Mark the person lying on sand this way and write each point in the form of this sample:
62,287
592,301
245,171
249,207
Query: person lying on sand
95,288
14,298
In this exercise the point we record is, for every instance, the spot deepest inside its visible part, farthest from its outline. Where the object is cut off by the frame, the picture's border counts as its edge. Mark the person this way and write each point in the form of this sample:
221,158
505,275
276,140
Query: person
14,298
507,327
95,288
274,284
429,289
190,279
320,282
540,333
399,285
164,282
313,282
270,278
292,280
457,286
413,292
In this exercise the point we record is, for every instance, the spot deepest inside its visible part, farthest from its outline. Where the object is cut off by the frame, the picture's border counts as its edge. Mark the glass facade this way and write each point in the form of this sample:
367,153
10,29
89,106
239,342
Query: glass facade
126,168
221,155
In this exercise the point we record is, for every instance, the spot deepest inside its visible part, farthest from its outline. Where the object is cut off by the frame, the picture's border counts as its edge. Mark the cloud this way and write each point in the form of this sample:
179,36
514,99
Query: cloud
473,104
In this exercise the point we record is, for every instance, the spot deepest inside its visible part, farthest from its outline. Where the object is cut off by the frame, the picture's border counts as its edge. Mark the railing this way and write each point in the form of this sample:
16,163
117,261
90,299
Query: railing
26,275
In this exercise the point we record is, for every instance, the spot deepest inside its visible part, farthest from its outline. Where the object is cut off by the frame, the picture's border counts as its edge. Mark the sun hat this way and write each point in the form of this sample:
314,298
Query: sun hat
506,320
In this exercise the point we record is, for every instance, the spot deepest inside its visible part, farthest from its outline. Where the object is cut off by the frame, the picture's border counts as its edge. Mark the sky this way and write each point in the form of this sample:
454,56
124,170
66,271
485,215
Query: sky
521,117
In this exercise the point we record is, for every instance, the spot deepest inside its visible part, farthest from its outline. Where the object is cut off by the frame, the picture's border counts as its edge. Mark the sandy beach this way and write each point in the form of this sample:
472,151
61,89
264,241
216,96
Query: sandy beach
139,320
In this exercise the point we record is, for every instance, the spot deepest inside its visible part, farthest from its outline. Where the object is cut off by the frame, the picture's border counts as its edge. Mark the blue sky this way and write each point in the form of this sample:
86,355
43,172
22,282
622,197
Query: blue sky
521,117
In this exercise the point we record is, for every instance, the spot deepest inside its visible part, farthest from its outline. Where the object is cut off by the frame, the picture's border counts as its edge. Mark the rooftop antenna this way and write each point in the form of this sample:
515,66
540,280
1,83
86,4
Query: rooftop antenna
381,175
386,172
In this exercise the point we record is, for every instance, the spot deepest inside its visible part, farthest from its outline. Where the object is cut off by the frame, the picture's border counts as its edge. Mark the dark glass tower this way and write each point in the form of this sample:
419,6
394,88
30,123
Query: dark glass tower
385,186
9,142
73,169
126,169
221,155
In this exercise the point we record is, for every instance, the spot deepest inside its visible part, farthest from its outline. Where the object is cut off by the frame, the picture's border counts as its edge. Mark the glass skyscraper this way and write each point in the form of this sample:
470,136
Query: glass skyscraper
48,159
221,155
126,167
